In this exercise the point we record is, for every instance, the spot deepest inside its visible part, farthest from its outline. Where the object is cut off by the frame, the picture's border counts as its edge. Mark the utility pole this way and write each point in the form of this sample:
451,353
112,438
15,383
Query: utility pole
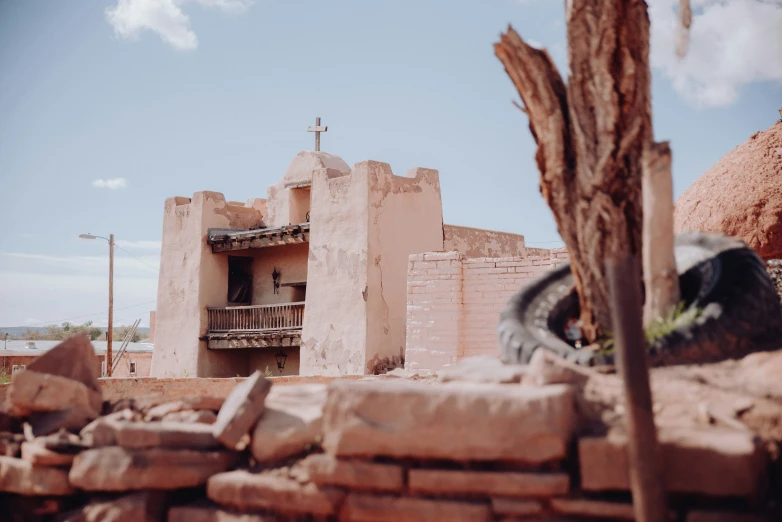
110,332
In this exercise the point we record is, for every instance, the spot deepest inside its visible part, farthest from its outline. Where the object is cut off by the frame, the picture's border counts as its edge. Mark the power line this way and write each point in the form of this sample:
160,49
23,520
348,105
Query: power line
136,258
57,321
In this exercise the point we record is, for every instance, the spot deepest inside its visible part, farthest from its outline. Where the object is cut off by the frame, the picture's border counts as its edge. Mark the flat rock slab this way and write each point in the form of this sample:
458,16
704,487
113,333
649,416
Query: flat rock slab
119,469
74,359
482,369
102,431
512,507
215,514
147,506
455,421
487,483
594,509
33,391
327,470
291,422
361,507
177,435
158,405
247,491
240,411
37,455
21,477
707,461
199,416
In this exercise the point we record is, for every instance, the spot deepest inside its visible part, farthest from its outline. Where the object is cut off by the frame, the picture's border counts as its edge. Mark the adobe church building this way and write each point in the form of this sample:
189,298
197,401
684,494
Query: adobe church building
313,277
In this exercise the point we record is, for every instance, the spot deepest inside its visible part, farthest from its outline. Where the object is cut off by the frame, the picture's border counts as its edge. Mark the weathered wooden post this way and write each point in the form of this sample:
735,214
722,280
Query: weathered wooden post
661,279
646,470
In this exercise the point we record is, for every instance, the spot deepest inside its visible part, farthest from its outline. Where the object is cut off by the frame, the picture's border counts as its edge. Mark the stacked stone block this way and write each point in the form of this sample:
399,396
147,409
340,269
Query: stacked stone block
466,447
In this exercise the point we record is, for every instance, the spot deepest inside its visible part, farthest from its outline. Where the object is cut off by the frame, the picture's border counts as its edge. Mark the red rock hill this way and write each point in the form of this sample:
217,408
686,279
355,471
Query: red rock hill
740,196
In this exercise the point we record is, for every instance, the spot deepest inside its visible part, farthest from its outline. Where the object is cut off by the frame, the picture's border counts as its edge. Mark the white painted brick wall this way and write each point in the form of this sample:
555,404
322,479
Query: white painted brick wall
454,303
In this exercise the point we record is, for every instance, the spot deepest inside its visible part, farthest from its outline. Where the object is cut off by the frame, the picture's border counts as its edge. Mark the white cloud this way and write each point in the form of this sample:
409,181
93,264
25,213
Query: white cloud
164,17
144,245
111,184
732,44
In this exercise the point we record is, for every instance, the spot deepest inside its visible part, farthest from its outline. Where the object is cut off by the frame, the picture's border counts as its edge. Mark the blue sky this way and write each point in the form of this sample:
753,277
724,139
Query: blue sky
110,107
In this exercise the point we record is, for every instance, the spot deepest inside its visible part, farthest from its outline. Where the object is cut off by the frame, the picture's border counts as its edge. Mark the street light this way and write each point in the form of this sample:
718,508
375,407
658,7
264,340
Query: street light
110,331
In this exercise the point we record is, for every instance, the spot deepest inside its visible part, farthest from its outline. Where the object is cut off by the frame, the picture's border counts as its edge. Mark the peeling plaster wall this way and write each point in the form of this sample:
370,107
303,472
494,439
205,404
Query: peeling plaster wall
152,327
277,206
290,262
405,217
263,358
335,318
476,242
192,278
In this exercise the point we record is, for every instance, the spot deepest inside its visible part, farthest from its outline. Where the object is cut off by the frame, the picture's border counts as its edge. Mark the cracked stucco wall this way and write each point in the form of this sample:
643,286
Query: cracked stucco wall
476,242
335,319
192,278
405,217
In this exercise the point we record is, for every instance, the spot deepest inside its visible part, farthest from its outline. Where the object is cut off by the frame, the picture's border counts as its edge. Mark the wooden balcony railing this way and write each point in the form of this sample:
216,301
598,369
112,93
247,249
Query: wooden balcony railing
260,318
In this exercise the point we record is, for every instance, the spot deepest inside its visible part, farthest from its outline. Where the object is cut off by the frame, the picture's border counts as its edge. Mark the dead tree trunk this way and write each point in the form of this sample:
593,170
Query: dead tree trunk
591,136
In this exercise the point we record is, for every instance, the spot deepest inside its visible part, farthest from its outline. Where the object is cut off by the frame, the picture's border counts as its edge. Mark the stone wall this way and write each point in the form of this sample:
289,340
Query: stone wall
115,388
375,449
454,302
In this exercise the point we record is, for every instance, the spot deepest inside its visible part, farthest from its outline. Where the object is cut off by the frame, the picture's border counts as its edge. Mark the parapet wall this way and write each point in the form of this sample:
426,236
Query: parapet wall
454,303
476,242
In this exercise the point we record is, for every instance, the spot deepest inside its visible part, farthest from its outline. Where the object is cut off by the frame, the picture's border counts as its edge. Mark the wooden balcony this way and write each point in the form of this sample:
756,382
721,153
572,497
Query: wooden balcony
260,326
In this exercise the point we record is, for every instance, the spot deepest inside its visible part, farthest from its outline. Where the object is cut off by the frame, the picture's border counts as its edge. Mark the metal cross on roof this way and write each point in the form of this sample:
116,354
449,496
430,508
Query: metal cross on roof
317,129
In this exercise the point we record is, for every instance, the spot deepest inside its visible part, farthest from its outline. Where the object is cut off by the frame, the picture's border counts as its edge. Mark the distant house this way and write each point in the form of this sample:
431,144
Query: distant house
134,362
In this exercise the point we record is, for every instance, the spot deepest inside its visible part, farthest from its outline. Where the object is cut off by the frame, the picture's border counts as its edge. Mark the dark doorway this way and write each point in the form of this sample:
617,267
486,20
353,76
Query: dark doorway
240,280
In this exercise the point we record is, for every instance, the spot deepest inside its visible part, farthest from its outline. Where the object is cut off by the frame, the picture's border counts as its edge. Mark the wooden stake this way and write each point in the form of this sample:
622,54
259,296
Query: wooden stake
661,279
646,476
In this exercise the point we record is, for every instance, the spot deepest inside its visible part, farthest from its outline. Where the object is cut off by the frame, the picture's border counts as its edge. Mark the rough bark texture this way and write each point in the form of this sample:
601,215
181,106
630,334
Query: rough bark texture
661,280
591,136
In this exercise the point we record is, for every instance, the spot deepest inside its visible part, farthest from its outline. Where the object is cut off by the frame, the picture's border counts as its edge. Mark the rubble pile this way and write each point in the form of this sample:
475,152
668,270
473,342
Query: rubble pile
483,442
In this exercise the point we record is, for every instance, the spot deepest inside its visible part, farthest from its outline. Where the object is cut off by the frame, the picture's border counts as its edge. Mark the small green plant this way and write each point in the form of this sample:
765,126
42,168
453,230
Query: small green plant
659,328
4,377
268,372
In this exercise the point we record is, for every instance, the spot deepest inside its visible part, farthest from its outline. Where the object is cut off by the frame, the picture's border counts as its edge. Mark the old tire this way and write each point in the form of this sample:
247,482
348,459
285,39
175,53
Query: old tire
740,310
